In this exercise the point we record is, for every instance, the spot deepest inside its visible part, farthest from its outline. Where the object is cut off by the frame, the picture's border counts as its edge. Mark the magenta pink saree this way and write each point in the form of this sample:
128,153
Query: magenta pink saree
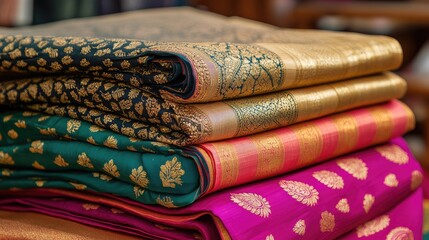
363,194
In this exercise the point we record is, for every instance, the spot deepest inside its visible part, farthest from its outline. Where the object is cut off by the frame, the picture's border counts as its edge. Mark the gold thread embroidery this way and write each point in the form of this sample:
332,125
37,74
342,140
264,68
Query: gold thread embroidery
139,176
20,124
37,147
390,180
138,191
229,163
90,206
6,172
102,176
84,160
41,119
343,206
171,173
303,193
310,142
48,131
111,168
327,222
368,201
59,161
95,128
253,203
78,186
416,179
270,155
400,233
329,179
37,165
6,159
393,153
354,166
73,125
7,118
166,202
111,142
372,227
12,134
347,133
40,183
91,140
299,227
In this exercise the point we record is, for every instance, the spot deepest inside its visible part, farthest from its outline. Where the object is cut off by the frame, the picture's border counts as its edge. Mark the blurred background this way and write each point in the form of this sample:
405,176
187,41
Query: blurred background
407,21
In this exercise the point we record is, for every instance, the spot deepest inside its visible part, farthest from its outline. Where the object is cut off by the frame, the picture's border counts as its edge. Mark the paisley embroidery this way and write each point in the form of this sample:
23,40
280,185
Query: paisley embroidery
84,160
252,202
90,206
73,125
327,222
329,179
139,176
393,153
171,173
416,179
390,180
368,201
343,206
400,233
6,159
303,193
372,227
37,165
166,202
59,161
111,168
37,147
354,166
299,227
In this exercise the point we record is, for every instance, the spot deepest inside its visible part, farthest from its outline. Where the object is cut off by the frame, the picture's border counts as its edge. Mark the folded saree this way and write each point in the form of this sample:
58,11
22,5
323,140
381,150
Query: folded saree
367,191
145,115
66,153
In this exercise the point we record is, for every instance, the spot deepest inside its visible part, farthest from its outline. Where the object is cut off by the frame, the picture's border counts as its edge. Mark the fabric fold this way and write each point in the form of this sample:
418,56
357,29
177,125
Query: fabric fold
71,154
149,116
202,72
383,180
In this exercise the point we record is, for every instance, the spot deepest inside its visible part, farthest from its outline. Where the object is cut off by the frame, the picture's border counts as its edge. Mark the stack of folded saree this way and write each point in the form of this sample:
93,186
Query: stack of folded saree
99,130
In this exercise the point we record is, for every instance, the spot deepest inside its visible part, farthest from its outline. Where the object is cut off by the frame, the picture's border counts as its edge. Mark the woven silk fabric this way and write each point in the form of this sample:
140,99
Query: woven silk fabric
360,195
201,72
72,154
148,116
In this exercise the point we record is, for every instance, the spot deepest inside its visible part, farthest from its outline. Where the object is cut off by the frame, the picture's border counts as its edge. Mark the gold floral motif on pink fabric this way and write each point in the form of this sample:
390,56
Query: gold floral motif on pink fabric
390,180
329,179
400,233
252,202
372,227
303,193
299,227
327,222
393,153
354,166
343,206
